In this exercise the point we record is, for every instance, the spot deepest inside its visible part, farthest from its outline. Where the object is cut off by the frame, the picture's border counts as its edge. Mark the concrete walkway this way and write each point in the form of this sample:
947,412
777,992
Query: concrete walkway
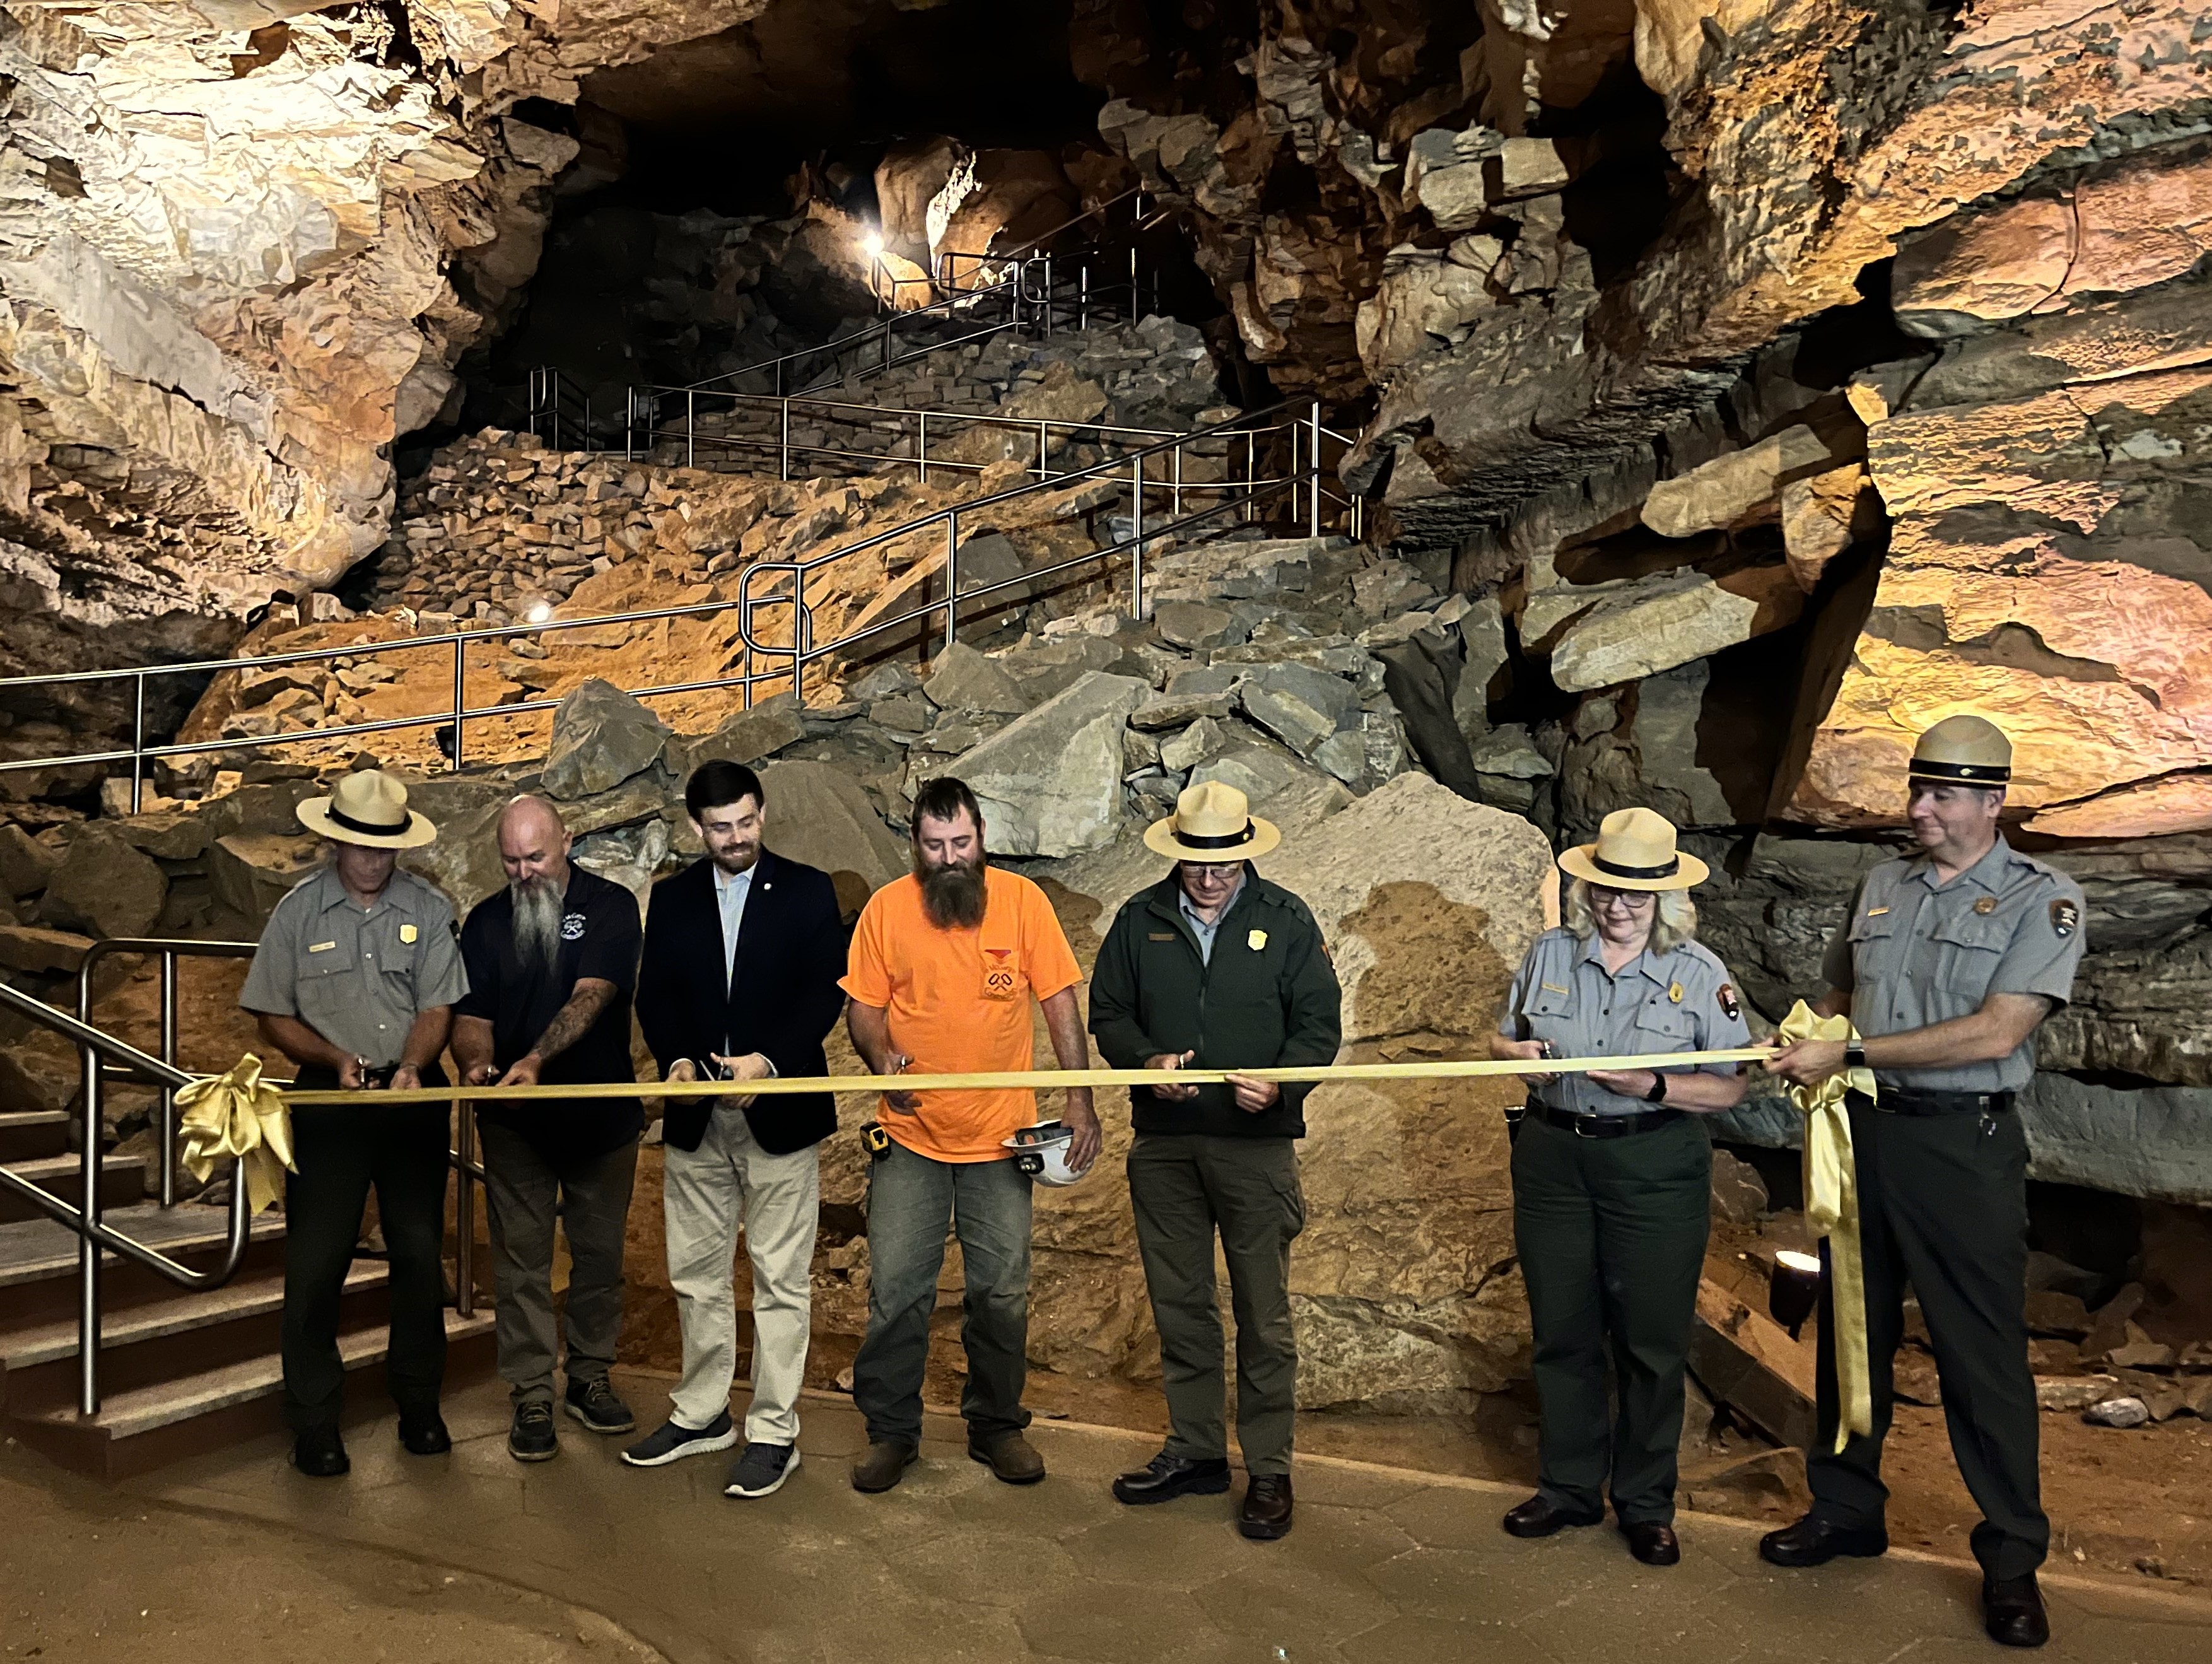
1385,1566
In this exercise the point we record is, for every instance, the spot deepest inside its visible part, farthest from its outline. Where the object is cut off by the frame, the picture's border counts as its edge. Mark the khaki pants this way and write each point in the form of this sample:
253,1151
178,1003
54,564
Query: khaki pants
1184,1188
707,1194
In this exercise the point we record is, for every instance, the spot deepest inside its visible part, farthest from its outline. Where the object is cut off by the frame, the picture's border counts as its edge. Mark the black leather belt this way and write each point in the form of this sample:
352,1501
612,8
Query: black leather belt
1895,1101
1604,1127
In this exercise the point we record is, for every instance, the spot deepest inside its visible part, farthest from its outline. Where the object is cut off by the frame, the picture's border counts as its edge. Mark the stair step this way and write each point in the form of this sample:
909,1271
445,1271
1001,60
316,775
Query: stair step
147,1410
122,1181
185,1310
27,1134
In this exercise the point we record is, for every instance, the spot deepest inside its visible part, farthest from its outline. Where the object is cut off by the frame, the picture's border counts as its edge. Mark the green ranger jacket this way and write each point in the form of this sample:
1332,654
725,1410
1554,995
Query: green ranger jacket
1269,1000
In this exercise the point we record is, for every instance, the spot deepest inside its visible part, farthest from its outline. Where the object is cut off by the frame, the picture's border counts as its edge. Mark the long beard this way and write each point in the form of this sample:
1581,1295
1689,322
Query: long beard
953,896
537,922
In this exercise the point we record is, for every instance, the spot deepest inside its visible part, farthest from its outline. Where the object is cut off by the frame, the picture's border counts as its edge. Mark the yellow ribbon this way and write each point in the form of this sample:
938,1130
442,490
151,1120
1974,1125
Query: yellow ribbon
1029,1080
239,1116
1832,1210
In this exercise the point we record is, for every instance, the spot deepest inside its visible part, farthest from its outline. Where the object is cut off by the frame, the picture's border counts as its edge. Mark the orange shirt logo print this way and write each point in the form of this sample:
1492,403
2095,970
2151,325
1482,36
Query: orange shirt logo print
1001,979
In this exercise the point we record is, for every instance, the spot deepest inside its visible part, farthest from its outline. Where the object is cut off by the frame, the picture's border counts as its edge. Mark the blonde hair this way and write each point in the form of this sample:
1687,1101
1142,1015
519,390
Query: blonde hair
1675,921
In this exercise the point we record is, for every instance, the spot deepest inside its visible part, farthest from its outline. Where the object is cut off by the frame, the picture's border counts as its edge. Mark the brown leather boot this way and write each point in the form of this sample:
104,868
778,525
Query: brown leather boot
1009,1455
883,1467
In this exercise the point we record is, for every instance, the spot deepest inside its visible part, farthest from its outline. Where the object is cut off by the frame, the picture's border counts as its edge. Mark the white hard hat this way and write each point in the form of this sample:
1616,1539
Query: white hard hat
1040,1152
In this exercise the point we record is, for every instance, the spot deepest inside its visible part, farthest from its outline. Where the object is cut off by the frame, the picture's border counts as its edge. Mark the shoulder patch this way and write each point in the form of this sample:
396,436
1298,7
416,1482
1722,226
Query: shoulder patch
1729,1004
2065,917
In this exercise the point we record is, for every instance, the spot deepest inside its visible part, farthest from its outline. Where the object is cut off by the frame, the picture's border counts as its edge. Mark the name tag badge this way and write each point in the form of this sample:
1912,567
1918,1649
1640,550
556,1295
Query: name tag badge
1160,936
408,933
321,947
1876,912
1551,988
1256,940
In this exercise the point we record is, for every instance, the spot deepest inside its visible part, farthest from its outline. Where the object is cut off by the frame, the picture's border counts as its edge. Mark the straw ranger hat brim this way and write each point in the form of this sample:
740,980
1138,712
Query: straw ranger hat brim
322,815
1581,862
1161,838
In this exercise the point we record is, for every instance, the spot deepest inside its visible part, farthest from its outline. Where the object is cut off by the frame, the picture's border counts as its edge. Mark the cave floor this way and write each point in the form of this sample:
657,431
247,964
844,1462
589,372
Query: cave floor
1385,1564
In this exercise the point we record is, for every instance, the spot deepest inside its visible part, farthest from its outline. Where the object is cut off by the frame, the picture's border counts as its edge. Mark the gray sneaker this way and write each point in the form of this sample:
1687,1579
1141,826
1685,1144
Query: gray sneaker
762,1469
674,1441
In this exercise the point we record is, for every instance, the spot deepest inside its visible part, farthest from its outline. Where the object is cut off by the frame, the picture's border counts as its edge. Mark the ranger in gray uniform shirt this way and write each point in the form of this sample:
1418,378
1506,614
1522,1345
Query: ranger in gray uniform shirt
1949,960
1612,1182
354,981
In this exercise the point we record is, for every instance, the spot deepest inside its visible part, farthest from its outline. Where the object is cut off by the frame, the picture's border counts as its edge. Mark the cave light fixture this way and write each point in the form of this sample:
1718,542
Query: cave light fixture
538,612
1796,1289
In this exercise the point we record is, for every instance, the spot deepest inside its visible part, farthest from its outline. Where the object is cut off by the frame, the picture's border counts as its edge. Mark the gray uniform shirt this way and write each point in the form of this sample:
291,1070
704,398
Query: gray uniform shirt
1916,952
358,979
1677,1001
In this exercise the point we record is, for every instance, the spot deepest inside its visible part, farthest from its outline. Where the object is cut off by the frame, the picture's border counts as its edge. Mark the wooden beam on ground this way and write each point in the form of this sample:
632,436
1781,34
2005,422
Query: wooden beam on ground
1745,1360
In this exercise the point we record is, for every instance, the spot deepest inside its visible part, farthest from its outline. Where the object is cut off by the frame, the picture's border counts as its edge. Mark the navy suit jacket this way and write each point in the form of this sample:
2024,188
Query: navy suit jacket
781,1002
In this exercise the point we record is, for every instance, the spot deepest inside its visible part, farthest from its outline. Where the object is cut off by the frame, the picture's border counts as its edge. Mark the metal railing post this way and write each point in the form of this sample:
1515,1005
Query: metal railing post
1175,486
167,1110
1313,484
87,1250
1137,546
1048,296
460,700
784,441
921,445
138,740
465,1210
951,579
690,428
1136,302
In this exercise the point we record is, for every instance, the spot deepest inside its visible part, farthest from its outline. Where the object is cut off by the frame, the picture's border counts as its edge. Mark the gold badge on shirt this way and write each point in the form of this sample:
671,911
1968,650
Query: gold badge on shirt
1255,939
1988,904
407,932
1674,991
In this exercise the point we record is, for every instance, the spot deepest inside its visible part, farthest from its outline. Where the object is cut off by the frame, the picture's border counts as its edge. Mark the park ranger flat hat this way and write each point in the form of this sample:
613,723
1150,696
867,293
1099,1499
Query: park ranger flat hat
1635,850
1963,750
1211,822
368,807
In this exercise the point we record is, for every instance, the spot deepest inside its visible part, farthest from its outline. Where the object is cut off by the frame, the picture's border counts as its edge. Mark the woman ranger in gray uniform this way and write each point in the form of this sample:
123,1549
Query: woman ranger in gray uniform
1611,1180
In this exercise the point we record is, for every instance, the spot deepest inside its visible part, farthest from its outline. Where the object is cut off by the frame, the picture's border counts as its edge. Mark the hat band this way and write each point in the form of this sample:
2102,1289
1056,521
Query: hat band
1980,773
1210,840
1615,869
367,828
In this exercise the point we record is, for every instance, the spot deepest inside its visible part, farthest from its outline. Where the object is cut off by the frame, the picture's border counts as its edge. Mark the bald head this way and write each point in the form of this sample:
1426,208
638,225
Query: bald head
533,844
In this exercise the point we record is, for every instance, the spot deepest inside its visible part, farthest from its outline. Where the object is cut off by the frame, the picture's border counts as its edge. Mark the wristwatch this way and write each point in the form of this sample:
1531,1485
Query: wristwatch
1658,1092
1855,1054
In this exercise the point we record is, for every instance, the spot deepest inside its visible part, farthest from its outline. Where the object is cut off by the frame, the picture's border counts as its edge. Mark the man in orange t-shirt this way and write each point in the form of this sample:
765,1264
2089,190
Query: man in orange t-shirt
942,967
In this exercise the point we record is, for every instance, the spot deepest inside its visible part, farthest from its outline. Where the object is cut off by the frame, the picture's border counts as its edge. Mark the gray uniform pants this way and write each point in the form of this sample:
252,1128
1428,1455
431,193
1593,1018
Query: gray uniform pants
525,1194
1612,1237
1943,1205
1183,1187
912,1198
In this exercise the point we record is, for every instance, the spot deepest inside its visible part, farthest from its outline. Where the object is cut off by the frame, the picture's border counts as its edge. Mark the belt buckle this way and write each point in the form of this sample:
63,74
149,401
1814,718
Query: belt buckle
1586,1126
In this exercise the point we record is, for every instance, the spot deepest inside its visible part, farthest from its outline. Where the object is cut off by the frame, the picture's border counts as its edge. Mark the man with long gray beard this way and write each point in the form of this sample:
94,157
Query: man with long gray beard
942,967
552,963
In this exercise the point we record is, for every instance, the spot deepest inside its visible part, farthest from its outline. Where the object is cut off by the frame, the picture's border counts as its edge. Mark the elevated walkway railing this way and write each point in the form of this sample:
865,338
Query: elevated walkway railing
1289,459
104,1060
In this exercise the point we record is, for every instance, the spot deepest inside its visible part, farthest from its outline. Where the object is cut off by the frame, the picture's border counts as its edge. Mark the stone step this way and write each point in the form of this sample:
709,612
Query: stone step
122,1181
39,1257
144,1427
27,1134
193,1330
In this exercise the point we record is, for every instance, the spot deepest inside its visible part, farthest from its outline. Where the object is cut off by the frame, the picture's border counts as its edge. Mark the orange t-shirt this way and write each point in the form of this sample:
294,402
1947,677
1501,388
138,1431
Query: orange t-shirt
959,1004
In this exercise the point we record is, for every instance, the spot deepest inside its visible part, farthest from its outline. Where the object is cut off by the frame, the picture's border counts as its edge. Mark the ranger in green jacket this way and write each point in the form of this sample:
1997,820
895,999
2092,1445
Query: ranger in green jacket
1214,967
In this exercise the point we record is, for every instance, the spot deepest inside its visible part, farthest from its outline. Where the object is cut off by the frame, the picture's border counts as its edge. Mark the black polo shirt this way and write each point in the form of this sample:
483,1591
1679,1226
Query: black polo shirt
599,937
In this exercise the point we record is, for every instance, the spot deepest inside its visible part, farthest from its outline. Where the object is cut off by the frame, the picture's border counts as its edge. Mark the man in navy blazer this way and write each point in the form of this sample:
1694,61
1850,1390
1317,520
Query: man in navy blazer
738,980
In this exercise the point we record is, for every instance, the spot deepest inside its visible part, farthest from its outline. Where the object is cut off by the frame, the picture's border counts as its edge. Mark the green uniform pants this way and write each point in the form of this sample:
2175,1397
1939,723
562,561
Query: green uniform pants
1611,1238
1943,1206
1184,1186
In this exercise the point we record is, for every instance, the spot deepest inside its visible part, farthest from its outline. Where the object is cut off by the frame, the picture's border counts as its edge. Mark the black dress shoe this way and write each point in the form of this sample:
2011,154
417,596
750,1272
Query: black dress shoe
1652,1543
320,1454
425,1435
1166,1478
1266,1514
1540,1517
1813,1542
2012,1611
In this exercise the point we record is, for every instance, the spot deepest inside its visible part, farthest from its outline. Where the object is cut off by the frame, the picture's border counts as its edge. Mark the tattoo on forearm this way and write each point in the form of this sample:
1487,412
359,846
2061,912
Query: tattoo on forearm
573,1020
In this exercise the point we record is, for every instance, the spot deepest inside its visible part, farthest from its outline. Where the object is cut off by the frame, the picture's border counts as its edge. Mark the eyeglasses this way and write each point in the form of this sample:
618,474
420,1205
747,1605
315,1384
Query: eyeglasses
1628,901
1216,872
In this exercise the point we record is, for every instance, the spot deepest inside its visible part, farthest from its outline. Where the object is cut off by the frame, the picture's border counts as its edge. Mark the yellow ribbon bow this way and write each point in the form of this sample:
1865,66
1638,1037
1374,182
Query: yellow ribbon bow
1832,1210
238,1115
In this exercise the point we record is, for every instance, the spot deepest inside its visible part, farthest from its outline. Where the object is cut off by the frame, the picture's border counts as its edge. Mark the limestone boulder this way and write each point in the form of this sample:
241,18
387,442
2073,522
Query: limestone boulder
1302,706
601,737
104,885
2147,1142
42,952
1644,627
743,735
630,856
818,814
26,864
251,872
963,679
1050,782
1737,487
1822,515
169,836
